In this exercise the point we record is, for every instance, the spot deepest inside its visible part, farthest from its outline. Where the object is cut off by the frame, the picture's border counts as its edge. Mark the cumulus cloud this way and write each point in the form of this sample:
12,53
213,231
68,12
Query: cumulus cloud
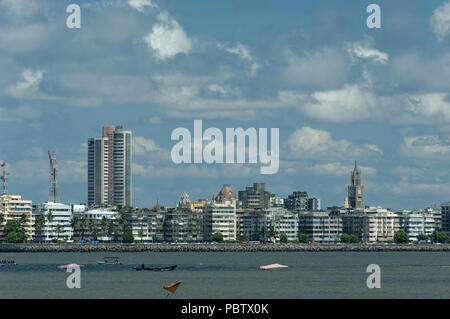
140,5
243,52
351,103
337,169
167,38
361,51
405,188
428,106
425,147
27,87
141,145
440,20
312,143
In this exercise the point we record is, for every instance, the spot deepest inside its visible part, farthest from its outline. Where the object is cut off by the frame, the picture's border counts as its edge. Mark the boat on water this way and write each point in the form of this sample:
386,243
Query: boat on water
73,266
273,266
164,268
8,262
110,261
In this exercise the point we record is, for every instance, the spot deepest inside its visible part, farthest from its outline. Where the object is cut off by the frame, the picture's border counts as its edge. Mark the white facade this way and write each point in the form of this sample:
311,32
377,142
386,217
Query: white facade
57,221
221,218
417,223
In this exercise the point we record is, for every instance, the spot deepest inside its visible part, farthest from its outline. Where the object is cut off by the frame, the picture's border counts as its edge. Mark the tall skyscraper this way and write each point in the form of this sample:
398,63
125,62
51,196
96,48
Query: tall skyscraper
109,168
356,190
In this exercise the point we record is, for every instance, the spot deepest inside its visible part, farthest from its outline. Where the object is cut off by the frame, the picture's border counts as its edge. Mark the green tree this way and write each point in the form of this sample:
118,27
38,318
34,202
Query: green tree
256,236
345,238
155,238
243,238
400,237
422,237
127,237
283,238
58,231
39,223
14,231
439,237
303,238
217,237
354,239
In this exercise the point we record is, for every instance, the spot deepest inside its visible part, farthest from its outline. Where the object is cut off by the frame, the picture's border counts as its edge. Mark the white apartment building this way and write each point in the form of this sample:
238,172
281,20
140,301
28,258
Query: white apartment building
57,224
220,217
417,223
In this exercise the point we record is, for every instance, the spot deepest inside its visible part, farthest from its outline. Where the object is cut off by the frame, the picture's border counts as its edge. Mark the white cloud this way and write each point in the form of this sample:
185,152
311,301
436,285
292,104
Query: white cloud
29,86
167,38
311,143
358,50
244,53
351,103
405,188
440,20
141,145
337,169
425,147
435,106
140,5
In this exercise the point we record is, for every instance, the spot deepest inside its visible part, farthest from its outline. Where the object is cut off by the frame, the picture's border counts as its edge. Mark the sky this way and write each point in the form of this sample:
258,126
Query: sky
337,90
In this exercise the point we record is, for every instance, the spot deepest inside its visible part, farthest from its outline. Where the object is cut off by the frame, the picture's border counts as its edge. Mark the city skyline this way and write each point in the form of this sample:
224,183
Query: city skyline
371,95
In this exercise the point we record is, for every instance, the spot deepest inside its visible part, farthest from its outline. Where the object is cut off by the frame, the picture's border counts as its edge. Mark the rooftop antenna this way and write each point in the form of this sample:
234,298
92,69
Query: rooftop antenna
4,178
53,177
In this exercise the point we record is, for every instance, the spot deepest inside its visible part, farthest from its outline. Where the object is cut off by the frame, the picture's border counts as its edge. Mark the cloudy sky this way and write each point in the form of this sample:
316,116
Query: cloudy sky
337,90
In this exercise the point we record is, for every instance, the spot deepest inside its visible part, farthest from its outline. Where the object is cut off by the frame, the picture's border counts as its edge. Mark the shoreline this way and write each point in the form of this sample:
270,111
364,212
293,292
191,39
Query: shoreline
223,247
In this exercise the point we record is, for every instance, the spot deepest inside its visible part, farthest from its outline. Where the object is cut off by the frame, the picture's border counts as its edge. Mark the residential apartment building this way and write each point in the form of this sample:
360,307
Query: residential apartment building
13,207
57,222
220,217
321,226
109,168
445,209
255,197
183,225
416,223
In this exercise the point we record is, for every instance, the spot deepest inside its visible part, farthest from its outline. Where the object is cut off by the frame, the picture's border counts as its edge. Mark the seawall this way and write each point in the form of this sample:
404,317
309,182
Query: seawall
223,247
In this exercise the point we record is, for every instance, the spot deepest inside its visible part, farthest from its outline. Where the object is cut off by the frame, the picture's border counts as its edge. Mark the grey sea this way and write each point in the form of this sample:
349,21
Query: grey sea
230,275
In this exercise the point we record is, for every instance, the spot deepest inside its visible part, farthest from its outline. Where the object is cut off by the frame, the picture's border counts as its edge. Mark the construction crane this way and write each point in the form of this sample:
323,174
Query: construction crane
4,178
53,191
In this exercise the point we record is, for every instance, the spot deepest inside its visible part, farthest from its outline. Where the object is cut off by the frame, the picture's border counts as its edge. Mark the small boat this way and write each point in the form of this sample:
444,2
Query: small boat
108,261
272,266
165,268
8,262
72,266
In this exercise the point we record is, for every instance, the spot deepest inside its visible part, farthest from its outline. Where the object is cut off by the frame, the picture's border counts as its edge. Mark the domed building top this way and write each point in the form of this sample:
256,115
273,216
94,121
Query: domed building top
226,193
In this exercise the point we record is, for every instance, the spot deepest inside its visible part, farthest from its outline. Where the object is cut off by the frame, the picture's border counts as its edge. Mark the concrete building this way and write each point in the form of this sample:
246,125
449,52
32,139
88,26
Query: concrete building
321,226
255,197
416,223
445,209
356,190
57,217
314,204
373,224
109,168
183,225
297,201
276,201
220,217
253,221
13,207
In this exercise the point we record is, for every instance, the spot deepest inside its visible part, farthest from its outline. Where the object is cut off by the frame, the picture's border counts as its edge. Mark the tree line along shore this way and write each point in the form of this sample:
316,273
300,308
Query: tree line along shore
216,247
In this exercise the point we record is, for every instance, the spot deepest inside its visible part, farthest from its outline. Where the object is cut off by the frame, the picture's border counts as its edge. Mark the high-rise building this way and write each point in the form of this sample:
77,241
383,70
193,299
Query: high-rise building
297,201
445,209
356,190
255,197
109,168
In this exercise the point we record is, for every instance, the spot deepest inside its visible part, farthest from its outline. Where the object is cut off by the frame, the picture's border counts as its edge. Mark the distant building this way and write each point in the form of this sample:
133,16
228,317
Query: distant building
276,201
297,201
356,190
226,193
373,224
314,204
109,168
445,209
13,207
416,223
57,217
320,226
255,197
183,225
220,217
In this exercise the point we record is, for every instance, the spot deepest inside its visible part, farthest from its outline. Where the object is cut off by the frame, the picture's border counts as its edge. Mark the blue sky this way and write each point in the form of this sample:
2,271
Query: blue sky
337,90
